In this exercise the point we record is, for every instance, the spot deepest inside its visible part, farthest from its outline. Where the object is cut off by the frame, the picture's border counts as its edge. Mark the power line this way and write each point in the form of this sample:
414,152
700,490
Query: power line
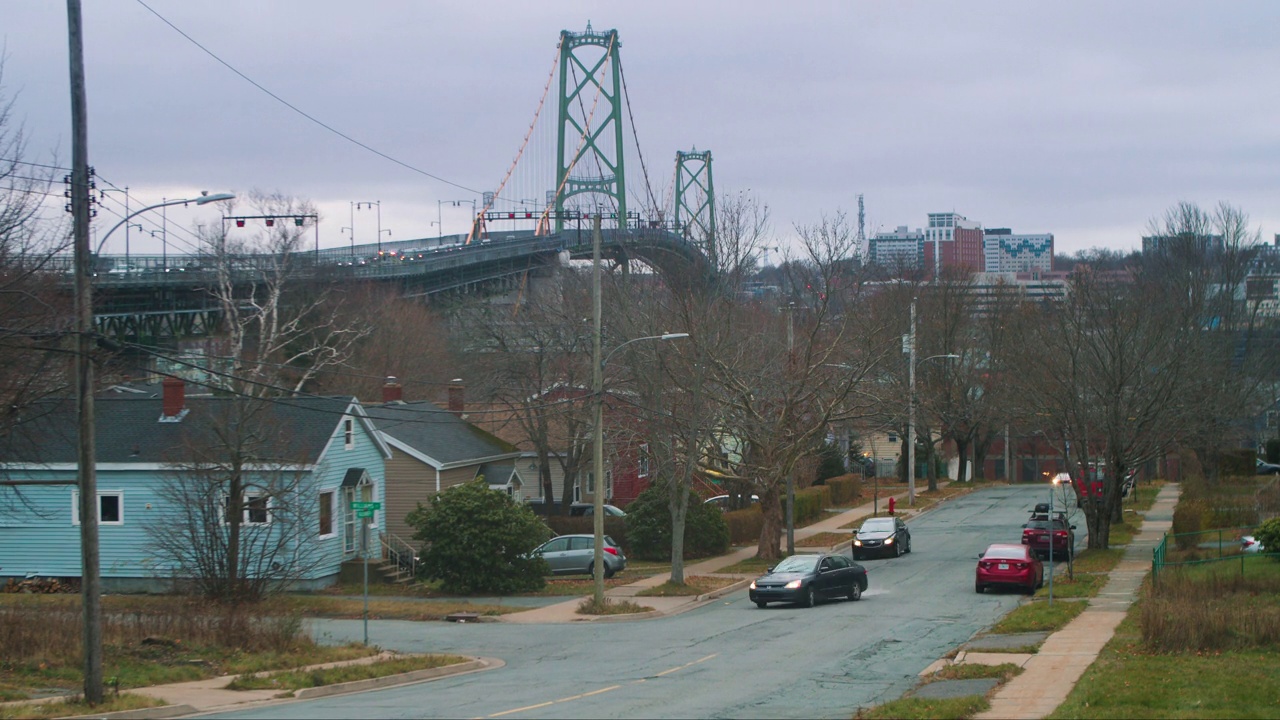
298,110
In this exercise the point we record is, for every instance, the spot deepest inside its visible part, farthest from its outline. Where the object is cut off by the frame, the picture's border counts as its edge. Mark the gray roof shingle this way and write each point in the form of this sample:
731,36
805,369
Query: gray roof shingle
436,433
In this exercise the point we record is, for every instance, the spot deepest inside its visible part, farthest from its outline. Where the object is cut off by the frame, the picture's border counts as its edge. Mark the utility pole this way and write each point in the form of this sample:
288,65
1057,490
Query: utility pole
91,595
791,482
597,444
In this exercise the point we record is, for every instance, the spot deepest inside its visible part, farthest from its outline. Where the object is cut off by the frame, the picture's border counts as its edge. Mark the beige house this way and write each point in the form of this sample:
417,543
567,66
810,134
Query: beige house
433,450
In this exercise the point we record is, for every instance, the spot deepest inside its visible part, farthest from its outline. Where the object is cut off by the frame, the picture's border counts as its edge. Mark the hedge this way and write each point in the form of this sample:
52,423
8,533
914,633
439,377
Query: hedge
844,489
746,525
614,527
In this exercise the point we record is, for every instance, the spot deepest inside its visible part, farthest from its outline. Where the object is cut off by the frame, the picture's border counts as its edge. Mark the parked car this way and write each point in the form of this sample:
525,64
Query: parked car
881,536
1038,534
723,501
1250,544
806,579
587,509
575,554
1266,468
1008,565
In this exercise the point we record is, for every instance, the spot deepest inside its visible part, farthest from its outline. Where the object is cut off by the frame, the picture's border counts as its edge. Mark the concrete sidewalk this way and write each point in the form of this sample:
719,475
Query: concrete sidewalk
1050,674
568,611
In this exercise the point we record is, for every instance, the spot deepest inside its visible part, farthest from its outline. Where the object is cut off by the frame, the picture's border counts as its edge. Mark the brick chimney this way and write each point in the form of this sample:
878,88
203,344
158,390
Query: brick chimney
457,397
392,391
175,400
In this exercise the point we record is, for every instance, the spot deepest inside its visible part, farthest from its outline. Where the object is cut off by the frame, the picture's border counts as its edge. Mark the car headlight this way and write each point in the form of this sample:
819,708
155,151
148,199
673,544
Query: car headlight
888,541
793,585
858,543
753,585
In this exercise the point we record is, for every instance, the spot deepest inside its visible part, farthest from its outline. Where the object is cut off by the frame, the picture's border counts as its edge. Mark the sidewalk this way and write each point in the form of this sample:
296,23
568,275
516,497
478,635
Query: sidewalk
568,611
1050,674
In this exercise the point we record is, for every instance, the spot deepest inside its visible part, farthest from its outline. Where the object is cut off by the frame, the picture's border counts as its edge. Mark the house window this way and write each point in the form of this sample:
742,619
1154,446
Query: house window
350,523
348,433
893,438
644,460
110,507
577,490
255,509
326,514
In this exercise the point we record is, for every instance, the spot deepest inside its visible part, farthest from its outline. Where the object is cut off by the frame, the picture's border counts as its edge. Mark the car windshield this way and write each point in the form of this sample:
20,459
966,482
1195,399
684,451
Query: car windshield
797,563
878,525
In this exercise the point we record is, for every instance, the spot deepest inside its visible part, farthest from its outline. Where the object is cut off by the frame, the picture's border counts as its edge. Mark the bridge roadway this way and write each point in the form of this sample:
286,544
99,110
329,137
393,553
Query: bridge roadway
157,296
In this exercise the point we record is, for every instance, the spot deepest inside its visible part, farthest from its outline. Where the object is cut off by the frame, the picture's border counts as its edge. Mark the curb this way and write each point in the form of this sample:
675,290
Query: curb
408,678
164,711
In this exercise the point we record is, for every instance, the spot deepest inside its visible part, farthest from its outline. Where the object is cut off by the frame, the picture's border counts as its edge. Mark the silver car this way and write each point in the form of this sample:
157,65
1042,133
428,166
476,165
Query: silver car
575,555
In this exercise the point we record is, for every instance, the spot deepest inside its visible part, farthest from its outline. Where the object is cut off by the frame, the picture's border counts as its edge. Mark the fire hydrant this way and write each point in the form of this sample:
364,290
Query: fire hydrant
891,504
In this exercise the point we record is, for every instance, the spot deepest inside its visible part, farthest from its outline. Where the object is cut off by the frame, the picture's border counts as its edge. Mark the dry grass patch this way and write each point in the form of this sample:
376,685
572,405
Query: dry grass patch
319,606
693,585
150,640
319,677
589,606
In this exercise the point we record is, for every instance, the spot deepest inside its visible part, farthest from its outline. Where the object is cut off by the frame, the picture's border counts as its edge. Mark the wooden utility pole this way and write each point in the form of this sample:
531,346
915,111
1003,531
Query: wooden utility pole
91,595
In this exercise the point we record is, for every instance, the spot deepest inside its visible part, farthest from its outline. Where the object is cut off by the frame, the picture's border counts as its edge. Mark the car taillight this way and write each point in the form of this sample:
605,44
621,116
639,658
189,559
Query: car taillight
1248,543
611,550
1061,533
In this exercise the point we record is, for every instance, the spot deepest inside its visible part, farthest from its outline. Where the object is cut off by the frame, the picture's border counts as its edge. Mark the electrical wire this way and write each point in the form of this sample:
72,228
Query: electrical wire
298,110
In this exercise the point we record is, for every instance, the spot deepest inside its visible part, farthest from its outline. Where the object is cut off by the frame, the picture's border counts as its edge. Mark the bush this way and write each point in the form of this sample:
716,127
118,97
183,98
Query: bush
810,503
1240,461
614,527
1188,517
1268,533
649,527
745,525
830,464
845,489
477,540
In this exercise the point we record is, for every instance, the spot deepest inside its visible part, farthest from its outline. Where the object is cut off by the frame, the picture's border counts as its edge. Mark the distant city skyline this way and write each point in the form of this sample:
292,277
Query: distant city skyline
1084,120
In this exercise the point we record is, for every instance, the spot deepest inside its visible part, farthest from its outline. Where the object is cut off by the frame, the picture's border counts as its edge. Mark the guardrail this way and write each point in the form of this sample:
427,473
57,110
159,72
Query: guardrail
1203,547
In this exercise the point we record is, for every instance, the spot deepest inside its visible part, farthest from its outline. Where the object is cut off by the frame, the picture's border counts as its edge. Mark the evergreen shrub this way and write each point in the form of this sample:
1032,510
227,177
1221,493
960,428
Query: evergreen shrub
649,527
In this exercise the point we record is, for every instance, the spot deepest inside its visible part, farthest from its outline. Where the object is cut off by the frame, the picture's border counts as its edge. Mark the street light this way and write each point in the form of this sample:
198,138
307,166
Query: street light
597,486
375,204
204,199
1052,487
911,405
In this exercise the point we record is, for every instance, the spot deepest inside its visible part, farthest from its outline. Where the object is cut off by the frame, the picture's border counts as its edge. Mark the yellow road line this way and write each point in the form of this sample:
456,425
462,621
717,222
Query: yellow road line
676,669
527,707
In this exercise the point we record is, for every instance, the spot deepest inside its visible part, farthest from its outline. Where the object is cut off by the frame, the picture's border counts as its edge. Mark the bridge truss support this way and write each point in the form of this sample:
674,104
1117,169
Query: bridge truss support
695,210
590,116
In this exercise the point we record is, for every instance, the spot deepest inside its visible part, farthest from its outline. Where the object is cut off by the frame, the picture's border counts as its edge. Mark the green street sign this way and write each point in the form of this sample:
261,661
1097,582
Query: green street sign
364,513
366,506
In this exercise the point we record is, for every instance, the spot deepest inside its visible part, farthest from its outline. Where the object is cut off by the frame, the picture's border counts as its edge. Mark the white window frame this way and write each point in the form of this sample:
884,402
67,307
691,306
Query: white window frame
642,464
334,518
75,506
348,433
577,490
245,509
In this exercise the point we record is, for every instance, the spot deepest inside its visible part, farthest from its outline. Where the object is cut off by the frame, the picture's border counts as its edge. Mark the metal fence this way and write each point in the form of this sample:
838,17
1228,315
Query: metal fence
1202,548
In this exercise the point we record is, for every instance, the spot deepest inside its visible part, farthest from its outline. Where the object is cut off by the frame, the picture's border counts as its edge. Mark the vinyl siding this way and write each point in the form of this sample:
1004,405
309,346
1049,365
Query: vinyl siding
409,482
38,535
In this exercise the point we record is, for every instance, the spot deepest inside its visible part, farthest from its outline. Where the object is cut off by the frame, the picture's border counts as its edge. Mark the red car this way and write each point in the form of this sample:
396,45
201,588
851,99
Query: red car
1039,533
1010,566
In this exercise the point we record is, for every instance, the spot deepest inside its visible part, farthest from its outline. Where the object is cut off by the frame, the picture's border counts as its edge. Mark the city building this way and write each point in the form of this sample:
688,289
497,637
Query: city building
952,240
901,248
1005,252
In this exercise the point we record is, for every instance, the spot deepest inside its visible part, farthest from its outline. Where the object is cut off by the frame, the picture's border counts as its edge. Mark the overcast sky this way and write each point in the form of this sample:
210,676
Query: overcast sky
1083,119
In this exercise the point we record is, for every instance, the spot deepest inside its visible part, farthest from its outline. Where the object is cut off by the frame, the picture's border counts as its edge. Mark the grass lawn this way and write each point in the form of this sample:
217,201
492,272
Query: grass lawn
1099,561
693,585
1038,616
1083,585
750,566
299,679
822,540
1127,681
76,706
912,708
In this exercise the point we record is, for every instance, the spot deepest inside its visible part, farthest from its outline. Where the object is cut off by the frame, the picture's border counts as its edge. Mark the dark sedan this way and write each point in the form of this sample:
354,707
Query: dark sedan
881,536
806,579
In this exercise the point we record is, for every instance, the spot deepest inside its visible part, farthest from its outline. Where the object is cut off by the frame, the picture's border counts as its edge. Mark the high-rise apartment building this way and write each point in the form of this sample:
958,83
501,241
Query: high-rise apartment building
952,240
902,248
1006,252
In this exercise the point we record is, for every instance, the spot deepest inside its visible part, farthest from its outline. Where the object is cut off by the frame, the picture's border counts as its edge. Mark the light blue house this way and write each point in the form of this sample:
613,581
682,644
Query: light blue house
163,464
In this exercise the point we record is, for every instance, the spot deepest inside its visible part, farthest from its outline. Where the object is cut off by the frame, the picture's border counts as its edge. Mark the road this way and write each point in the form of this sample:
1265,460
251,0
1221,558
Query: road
727,659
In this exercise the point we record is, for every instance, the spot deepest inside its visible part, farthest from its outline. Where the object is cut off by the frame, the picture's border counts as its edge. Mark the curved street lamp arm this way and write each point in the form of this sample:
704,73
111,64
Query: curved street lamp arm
664,336
202,200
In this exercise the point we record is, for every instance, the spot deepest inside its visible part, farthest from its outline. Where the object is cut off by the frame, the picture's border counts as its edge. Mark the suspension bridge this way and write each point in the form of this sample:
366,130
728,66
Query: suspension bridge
574,165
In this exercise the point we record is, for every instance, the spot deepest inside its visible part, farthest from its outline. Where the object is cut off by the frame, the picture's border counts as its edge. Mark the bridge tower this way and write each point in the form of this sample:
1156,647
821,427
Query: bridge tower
589,149
695,211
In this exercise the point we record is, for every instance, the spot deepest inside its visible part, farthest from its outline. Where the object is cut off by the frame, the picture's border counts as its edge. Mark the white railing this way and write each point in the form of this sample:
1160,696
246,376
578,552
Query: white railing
401,553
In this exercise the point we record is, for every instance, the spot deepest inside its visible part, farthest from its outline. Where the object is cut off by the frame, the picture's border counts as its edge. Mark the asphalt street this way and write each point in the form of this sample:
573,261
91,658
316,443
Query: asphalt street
727,659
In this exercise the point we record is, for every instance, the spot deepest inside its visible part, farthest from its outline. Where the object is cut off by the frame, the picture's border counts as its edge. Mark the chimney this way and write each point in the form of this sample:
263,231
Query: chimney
392,390
457,402
175,400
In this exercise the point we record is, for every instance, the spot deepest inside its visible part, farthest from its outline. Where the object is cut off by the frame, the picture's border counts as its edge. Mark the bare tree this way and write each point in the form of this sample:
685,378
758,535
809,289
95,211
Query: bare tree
237,526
